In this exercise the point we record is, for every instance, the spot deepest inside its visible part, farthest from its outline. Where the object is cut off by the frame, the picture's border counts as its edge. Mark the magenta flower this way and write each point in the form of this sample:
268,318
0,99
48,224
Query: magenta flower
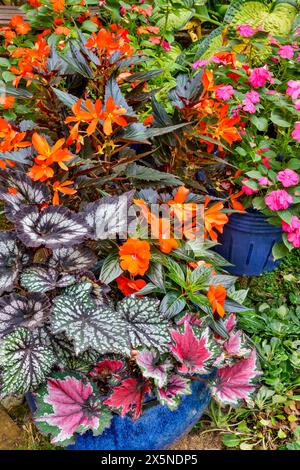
199,63
264,181
246,190
253,96
293,231
245,30
265,161
248,106
293,89
260,76
224,92
278,200
166,46
288,178
286,52
296,131
297,105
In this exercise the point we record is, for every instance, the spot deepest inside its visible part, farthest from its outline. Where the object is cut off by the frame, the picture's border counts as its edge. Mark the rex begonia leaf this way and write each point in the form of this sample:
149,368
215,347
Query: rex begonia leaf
153,367
237,345
10,261
38,279
19,311
235,383
68,404
145,324
26,361
74,259
108,216
17,189
89,325
194,348
108,370
128,397
65,357
53,227
171,394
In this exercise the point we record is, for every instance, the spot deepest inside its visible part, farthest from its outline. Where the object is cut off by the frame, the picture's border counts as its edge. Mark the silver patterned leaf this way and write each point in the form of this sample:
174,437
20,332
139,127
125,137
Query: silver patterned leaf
11,256
26,362
145,325
65,356
19,311
108,217
25,191
38,279
89,326
73,259
53,227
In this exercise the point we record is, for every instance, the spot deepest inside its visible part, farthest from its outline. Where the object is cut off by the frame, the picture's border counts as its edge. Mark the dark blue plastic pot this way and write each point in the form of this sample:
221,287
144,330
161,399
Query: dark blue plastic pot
158,427
247,243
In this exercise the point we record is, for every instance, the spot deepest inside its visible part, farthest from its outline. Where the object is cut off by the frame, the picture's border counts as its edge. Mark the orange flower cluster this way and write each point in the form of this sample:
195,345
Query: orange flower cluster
93,114
30,58
10,140
107,42
47,156
217,296
214,218
135,256
17,26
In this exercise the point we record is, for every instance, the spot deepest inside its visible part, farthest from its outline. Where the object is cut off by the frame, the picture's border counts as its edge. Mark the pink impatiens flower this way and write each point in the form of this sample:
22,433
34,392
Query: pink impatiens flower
166,46
293,231
199,63
278,200
253,96
248,106
286,52
293,89
288,178
246,189
296,131
245,30
260,76
297,105
264,181
224,92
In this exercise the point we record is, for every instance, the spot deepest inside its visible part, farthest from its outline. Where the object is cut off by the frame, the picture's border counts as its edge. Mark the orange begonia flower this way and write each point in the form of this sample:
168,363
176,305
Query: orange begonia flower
234,203
129,286
41,172
59,187
57,154
216,296
58,5
6,101
135,256
18,23
91,115
62,30
214,218
113,114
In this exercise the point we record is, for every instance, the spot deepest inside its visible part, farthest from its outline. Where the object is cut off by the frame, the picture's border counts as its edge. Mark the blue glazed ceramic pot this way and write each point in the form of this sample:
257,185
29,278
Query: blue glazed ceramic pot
247,243
158,427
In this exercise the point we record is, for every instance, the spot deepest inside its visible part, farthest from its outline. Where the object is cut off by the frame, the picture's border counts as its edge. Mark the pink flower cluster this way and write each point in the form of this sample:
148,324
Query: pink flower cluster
224,92
288,178
251,98
286,52
293,89
260,76
246,31
296,131
278,200
293,231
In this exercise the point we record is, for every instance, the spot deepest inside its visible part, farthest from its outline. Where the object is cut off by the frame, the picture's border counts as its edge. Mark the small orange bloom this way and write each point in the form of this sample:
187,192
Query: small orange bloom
57,154
6,101
214,218
135,256
62,30
58,5
217,296
113,114
91,115
59,187
20,26
129,286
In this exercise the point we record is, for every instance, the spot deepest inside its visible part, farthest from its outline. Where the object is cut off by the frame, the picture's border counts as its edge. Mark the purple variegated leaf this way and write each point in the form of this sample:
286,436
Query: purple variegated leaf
237,345
109,371
18,311
11,257
194,348
190,318
25,191
53,227
68,404
236,383
171,394
230,322
108,217
153,368
75,259
38,279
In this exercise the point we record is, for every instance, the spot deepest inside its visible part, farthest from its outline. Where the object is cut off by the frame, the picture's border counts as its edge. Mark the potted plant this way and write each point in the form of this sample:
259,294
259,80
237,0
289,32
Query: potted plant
247,117
97,313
